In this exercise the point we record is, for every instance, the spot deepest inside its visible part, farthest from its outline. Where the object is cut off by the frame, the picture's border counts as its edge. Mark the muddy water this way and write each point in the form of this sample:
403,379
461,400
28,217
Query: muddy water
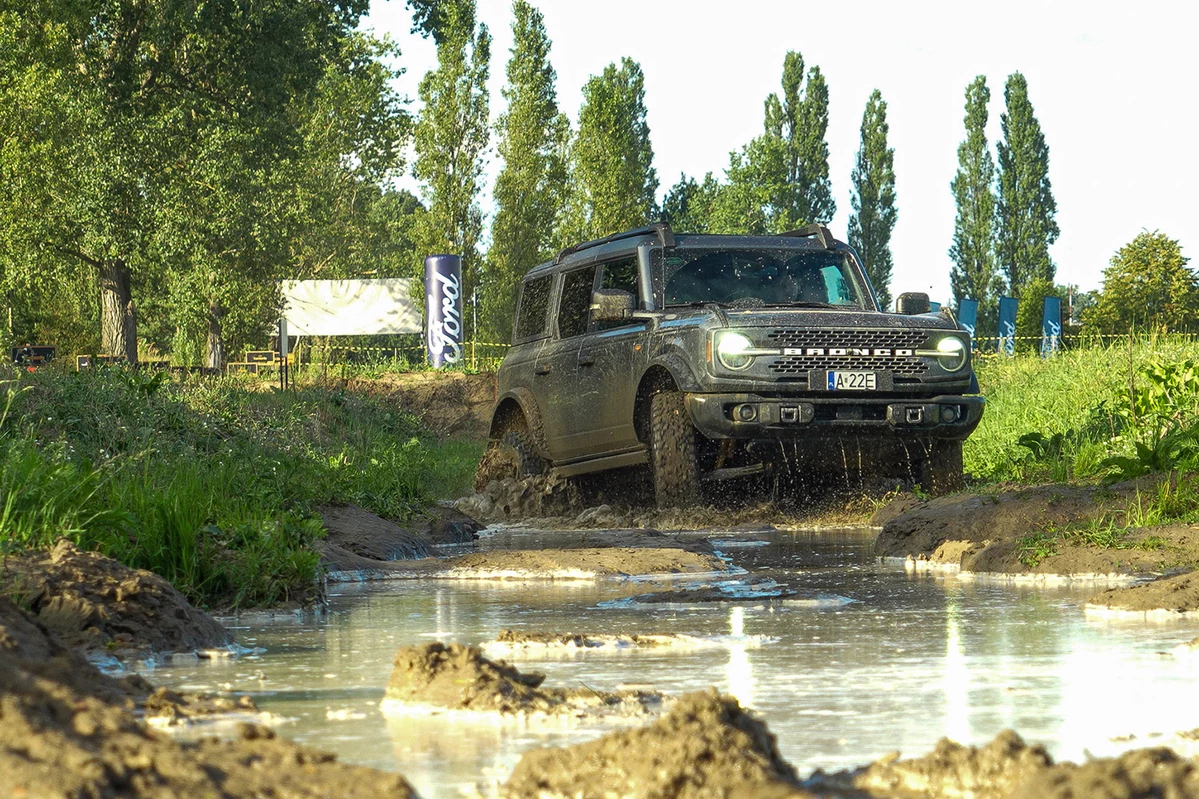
869,661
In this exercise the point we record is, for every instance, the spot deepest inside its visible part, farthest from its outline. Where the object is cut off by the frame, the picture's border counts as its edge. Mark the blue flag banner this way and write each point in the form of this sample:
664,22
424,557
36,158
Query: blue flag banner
1051,326
1007,325
968,315
443,309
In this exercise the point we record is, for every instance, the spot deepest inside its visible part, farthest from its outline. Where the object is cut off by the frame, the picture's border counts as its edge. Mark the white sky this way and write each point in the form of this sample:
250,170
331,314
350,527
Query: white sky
1114,86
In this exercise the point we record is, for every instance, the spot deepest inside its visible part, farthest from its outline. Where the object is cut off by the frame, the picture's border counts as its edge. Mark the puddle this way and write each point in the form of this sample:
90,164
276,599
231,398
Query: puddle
866,659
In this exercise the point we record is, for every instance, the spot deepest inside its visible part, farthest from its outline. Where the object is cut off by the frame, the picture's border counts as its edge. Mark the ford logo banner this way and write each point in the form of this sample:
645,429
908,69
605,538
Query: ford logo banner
443,309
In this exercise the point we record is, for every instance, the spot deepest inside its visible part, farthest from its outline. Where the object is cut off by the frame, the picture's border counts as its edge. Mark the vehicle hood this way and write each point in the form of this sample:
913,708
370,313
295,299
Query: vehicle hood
834,318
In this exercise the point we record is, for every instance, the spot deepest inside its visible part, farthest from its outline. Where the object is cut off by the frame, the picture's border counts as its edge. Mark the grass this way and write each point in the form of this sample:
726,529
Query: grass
213,484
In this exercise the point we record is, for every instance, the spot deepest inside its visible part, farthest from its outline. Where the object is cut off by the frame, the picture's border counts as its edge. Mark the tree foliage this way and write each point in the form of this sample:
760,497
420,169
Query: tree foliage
164,145
780,180
1147,286
689,204
1026,208
612,179
873,198
974,274
530,188
451,137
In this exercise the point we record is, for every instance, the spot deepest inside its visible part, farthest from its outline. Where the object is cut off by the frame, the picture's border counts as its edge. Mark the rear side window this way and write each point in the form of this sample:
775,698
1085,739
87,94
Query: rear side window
574,310
534,307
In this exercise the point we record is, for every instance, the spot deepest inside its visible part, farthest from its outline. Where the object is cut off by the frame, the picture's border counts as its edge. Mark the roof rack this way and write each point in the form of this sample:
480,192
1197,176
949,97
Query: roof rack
819,231
660,229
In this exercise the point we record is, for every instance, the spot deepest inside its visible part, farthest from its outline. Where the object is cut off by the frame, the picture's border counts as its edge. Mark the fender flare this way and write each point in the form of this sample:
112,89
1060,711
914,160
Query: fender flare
679,369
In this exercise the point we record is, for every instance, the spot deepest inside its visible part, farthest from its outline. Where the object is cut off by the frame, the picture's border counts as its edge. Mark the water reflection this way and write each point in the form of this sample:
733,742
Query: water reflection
912,659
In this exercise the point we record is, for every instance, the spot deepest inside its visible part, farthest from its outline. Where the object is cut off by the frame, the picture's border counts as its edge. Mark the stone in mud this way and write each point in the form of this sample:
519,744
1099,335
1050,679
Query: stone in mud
458,677
70,731
1177,594
706,746
94,602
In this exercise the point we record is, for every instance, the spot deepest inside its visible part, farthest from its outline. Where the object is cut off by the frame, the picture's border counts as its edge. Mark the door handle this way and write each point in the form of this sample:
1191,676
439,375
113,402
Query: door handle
543,370
587,362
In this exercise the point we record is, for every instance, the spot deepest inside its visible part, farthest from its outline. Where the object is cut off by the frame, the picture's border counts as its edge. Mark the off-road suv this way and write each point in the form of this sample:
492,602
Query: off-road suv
715,357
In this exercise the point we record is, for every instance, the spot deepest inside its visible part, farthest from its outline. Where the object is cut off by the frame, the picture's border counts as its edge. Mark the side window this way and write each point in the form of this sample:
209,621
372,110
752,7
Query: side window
621,275
534,303
574,309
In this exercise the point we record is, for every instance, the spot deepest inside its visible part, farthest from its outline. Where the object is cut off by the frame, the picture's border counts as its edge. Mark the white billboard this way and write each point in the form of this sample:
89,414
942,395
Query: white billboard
350,307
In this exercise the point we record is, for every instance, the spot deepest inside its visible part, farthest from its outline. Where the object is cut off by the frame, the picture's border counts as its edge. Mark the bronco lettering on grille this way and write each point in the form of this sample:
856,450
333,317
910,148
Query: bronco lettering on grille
851,352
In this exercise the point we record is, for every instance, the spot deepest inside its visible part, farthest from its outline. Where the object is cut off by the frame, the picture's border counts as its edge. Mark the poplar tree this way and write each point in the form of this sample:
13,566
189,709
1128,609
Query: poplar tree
533,137
780,180
612,177
1026,225
451,136
873,198
973,275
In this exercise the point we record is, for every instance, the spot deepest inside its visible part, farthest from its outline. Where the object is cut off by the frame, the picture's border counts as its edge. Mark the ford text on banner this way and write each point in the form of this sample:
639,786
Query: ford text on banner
443,305
968,315
1007,325
1051,326
350,307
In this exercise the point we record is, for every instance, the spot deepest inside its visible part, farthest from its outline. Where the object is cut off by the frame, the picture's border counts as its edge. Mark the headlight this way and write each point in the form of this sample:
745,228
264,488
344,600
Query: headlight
951,353
733,350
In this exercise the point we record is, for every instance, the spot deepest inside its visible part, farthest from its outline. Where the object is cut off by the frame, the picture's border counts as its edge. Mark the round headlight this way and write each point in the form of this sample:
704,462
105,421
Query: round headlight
952,353
732,350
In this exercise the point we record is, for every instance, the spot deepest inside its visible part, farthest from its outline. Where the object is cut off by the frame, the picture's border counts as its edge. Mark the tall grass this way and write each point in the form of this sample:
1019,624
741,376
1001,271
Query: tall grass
213,485
1076,415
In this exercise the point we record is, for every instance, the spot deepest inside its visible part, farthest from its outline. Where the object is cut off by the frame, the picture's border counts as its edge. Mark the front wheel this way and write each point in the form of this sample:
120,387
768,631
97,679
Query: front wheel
511,456
672,451
941,469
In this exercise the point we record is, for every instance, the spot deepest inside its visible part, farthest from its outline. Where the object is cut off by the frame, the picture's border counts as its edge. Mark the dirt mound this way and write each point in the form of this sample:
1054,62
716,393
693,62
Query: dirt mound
950,770
71,731
96,603
1179,594
585,562
1156,773
706,746
458,677
369,536
450,404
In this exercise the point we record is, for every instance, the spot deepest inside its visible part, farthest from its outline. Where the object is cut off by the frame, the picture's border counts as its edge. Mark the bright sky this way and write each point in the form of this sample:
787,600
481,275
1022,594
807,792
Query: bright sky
1113,85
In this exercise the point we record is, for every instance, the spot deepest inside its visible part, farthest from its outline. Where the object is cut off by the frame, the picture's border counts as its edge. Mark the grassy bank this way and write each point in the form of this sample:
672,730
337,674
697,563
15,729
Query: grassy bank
212,484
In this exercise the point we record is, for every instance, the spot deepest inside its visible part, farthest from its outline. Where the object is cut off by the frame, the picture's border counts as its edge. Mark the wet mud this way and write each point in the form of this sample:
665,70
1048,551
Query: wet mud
106,608
458,677
70,730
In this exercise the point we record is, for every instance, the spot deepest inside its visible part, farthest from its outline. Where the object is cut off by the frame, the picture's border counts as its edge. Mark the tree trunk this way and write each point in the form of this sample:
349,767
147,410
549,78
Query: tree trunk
215,356
118,319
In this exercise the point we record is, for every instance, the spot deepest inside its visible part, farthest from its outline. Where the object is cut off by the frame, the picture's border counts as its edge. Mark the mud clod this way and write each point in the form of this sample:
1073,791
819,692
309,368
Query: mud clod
458,677
95,603
707,746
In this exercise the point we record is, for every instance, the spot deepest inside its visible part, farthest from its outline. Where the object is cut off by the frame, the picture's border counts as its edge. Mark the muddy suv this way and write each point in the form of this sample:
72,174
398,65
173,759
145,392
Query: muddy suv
711,358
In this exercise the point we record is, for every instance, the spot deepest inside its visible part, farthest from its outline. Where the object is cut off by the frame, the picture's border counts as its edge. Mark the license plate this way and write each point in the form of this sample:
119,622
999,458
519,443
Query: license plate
852,381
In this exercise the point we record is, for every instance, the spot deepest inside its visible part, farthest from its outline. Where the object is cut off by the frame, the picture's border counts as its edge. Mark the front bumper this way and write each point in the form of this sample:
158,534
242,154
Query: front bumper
948,416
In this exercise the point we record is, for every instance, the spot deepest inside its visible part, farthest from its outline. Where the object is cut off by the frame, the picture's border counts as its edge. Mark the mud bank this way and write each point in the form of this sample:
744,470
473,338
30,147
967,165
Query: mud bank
1047,532
104,607
358,542
71,731
1175,595
452,677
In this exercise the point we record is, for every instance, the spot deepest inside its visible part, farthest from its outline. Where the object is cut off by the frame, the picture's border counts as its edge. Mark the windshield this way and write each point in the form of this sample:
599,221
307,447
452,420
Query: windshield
753,278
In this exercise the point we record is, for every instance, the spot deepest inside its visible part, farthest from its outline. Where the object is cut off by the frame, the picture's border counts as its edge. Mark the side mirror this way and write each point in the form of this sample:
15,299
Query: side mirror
611,305
911,303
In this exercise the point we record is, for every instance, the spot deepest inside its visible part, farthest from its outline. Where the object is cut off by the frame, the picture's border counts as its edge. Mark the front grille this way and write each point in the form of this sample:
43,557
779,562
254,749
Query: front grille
893,339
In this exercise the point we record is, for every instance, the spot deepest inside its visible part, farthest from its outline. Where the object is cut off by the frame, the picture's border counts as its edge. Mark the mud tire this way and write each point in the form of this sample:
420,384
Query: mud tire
512,456
672,451
941,470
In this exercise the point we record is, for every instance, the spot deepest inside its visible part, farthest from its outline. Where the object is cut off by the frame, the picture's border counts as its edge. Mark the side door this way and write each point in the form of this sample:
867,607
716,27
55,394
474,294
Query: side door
606,366
568,407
